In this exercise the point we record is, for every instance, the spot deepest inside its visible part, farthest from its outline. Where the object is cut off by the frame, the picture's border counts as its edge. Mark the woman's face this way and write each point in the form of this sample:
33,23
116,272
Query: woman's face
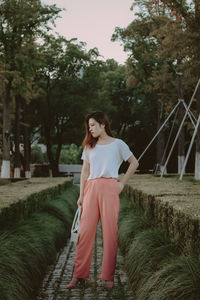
95,128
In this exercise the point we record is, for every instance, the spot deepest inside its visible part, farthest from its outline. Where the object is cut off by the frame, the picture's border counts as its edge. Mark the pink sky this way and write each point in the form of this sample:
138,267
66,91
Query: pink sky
94,22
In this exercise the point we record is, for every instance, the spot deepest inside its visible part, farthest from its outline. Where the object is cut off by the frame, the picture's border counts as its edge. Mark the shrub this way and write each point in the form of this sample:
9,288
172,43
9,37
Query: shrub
30,246
148,251
179,279
70,154
133,222
158,267
37,156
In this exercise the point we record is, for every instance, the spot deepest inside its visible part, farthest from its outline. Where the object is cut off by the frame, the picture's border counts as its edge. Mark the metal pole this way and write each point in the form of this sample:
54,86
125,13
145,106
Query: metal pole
190,115
190,147
158,131
172,148
181,138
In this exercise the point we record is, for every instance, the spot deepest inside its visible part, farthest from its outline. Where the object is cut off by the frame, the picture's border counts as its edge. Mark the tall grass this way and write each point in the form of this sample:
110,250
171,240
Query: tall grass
27,249
157,267
179,279
133,222
148,251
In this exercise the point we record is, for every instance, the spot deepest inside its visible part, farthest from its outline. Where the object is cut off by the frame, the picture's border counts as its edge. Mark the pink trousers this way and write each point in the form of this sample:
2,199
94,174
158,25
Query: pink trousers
101,201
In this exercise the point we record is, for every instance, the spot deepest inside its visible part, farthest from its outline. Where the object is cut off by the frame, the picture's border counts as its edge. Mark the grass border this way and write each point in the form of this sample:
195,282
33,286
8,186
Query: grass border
24,208
27,248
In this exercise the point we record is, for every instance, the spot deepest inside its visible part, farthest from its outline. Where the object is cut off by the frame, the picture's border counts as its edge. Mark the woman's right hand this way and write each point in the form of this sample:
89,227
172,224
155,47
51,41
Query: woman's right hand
80,201
120,186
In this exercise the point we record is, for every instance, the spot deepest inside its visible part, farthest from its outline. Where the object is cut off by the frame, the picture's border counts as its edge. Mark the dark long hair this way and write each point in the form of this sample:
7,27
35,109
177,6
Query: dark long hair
101,118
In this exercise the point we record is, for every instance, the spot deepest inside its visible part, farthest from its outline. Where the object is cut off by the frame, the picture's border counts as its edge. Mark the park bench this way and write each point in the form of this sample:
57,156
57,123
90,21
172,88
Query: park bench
71,170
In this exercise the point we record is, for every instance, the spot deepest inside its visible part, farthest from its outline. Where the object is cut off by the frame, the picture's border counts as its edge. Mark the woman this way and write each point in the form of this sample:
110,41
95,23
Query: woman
99,195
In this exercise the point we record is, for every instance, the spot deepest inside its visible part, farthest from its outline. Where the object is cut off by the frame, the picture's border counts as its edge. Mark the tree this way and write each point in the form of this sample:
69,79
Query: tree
144,71
70,154
21,22
189,15
60,85
161,40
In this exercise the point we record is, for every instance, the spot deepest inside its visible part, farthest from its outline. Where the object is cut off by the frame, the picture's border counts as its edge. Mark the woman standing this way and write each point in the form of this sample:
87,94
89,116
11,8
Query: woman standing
99,195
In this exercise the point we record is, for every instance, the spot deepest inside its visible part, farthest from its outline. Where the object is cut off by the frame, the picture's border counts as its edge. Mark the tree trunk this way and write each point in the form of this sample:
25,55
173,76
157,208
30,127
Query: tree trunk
181,138
60,131
160,143
48,144
5,169
17,162
58,153
53,162
55,171
26,143
197,155
47,132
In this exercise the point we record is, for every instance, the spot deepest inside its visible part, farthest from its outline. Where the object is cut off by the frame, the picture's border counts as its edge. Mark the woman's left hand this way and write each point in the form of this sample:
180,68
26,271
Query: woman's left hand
121,186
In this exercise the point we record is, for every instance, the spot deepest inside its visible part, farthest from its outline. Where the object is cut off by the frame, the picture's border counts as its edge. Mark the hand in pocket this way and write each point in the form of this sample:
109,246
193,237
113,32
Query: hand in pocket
121,186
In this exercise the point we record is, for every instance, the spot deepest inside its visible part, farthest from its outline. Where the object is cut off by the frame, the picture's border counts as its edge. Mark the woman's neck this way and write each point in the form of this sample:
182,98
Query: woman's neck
104,139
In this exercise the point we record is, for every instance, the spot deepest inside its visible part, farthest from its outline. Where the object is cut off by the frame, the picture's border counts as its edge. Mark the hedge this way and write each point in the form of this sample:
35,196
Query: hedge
182,228
23,208
29,246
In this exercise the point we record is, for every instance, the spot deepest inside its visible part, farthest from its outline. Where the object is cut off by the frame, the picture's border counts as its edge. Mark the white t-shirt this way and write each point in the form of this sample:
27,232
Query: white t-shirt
105,160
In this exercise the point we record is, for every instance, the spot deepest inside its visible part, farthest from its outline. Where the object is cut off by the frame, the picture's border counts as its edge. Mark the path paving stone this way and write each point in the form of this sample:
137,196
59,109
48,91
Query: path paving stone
59,274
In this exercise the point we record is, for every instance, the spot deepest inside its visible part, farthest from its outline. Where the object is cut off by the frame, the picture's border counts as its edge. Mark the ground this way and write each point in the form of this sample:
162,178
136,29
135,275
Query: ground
11,192
182,195
59,274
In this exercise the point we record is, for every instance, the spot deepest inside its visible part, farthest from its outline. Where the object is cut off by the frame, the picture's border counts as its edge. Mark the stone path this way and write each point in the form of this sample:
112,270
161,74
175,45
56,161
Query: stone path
59,274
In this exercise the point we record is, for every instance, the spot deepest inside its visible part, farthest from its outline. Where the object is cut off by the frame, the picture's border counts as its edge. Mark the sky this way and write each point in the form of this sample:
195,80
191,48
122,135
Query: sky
94,22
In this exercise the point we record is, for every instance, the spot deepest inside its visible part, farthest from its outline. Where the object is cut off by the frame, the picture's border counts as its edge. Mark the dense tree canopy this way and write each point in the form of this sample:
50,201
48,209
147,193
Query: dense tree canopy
49,83
163,40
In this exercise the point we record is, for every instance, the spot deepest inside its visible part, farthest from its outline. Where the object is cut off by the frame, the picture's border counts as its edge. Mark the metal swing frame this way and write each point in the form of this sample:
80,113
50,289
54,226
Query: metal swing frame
193,120
179,130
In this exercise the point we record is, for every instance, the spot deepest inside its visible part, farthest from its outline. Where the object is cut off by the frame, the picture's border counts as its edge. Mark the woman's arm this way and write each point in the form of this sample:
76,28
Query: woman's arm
133,164
84,176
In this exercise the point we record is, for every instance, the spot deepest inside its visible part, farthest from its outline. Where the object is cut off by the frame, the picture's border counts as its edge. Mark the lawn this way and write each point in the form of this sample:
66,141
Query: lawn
14,191
182,195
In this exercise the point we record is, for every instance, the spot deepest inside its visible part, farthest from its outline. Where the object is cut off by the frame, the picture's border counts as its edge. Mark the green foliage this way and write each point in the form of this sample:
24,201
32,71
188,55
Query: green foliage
41,170
21,23
179,279
4,181
114,89
163,39
130,223
182,228
62,92
37,156
23,209
148,251
156,265
56,207
70,154
28,248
